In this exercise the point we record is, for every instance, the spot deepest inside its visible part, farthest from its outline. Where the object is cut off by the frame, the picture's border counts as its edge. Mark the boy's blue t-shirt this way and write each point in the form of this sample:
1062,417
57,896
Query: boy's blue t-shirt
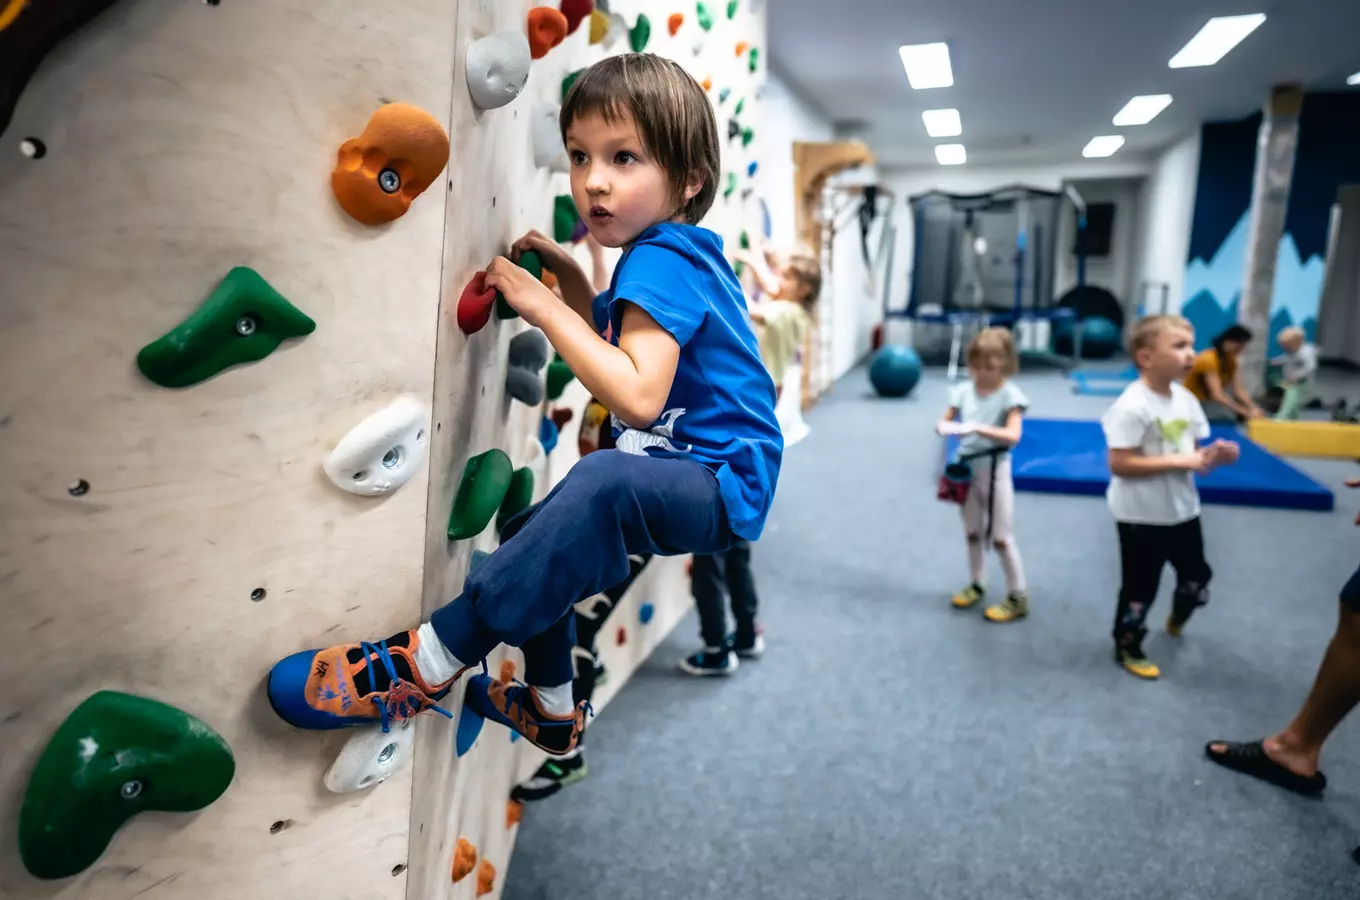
720,412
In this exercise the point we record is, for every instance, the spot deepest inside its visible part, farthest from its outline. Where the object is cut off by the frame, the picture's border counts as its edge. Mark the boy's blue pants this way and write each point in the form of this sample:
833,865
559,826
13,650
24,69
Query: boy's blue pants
575,544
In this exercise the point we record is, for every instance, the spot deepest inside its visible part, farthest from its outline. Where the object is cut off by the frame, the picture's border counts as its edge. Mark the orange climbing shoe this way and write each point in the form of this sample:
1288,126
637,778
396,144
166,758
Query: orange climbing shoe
969,596
516,706
354,684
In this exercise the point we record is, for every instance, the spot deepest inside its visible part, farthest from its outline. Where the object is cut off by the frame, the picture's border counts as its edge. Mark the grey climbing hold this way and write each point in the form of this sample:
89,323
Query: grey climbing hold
524,385
529,350
497,68
546,134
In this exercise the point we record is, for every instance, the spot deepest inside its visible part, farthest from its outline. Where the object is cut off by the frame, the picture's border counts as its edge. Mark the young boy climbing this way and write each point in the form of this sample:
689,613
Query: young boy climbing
1298,364
781,323
988,411
698,449
1153,431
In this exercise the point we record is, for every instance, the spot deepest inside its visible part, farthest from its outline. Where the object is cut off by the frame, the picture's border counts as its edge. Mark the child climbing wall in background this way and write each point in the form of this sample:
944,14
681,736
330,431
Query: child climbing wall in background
988,412
698,448
781,323
1152,431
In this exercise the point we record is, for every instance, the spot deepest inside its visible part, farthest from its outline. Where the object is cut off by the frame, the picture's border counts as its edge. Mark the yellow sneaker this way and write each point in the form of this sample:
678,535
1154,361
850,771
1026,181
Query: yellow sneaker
1173,627
969,596
1129,654
1015,606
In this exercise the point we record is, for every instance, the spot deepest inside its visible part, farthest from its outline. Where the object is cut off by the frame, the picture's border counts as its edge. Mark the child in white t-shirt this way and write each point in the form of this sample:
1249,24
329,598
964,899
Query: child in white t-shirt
1153,432
987,411
1298,365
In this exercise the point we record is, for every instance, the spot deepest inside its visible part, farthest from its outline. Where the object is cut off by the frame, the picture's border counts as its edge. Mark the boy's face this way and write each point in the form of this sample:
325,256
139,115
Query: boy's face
1291,342
791,287
619,189
1172,354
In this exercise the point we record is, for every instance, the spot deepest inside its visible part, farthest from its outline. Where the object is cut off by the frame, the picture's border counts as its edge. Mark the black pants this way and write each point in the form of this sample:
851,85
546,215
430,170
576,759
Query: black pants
725,573
1143,551
588,625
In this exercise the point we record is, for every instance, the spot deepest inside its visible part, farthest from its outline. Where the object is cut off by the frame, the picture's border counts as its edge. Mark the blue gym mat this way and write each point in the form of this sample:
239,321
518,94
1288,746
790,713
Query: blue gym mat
1068,456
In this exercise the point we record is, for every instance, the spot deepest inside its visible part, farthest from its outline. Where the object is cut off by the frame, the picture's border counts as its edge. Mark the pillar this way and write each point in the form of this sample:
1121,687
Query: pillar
1275,147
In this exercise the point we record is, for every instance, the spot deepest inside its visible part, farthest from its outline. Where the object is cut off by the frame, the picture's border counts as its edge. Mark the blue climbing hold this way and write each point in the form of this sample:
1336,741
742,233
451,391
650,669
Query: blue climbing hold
645,612
724,94
751,169
469,726
547,435
514,735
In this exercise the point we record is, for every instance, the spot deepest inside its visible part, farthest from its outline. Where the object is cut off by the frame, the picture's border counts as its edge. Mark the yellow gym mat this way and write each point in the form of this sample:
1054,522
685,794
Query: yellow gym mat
1334,440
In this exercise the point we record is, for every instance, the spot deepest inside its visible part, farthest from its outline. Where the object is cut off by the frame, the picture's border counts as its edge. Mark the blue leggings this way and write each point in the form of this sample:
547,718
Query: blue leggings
574,544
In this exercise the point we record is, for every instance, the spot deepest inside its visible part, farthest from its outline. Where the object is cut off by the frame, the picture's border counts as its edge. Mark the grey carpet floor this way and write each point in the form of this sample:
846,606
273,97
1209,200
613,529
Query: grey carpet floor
890,747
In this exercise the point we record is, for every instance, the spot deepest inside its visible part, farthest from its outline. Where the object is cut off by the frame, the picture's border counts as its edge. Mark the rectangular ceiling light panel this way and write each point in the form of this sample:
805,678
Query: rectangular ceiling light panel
927,65
942,123
1142,110
1105,145
951,154
1215,39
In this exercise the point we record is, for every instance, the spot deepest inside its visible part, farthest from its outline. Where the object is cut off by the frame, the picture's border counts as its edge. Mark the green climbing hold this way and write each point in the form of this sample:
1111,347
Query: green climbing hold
739,268
529,262
559,376
517,497
640,33
731,184
243,320
731,9
115,755
747,135
745,240
569,81
754,59
704,16
741,104
486,478
565,218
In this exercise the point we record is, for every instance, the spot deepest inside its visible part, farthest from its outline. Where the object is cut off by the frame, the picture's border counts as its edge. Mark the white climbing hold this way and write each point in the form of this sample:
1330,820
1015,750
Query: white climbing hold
698,46
534,459
382,452
618,31
370,757
546,135
497,68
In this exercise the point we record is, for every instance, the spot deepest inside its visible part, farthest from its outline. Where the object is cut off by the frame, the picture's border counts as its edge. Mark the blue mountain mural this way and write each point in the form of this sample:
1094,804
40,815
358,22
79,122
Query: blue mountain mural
1214,288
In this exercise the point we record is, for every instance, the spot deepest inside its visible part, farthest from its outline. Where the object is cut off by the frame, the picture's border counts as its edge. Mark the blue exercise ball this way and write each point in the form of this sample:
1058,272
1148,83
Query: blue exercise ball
895,371
1100,338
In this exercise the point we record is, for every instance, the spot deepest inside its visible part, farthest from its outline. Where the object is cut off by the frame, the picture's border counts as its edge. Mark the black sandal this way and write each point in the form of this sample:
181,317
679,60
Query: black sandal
1250,759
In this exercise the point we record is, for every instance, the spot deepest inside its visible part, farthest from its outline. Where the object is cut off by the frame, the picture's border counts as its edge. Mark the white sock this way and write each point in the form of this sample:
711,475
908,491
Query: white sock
436,664
555,701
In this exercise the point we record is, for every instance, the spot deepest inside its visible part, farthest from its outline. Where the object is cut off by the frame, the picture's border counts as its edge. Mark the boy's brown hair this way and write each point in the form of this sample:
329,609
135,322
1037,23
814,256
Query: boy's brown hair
994,343
806,268
674,119
1146,332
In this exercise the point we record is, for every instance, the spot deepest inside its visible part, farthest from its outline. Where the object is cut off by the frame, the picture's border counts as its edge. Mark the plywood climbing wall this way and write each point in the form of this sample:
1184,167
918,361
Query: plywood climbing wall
175,542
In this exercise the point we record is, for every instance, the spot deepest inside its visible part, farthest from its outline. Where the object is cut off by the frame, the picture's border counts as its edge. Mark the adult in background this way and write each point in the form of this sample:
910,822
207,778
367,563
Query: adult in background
1217,381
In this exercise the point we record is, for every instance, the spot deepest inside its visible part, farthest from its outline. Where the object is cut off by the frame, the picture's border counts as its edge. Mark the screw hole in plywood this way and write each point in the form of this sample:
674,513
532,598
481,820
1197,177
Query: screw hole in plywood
398,869
79,488
280,825
212,2
258,594
33,148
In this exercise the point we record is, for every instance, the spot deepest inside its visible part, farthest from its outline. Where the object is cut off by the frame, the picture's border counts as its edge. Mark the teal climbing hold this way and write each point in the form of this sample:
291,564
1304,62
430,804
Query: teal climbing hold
754,59
724,94
704,16
732,9
243,320
530,262
741,104
731,184
116,755
569,81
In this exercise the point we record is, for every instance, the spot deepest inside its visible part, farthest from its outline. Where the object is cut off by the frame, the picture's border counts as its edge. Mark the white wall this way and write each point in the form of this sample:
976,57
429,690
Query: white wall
1163,244
1114,271
787,118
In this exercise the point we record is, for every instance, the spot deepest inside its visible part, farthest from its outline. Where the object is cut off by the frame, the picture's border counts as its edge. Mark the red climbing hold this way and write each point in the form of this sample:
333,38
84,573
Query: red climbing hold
576,11
674,22
474,305
547,28
560,417
621,637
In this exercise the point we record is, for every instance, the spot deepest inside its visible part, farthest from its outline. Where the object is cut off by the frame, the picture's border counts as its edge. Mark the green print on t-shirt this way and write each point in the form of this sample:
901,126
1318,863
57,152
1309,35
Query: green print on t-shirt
1173,431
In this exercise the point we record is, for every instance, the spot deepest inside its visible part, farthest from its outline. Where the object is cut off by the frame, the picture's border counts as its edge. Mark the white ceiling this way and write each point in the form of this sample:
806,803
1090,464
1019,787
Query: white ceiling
1034,80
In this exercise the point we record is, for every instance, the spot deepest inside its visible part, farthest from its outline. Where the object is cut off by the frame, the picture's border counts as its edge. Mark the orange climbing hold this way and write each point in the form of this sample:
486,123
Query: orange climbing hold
548,278
464,859
742,47
486,878
575,11
474,304
400,153
674,22
547,28
707,83
514,811
507,670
